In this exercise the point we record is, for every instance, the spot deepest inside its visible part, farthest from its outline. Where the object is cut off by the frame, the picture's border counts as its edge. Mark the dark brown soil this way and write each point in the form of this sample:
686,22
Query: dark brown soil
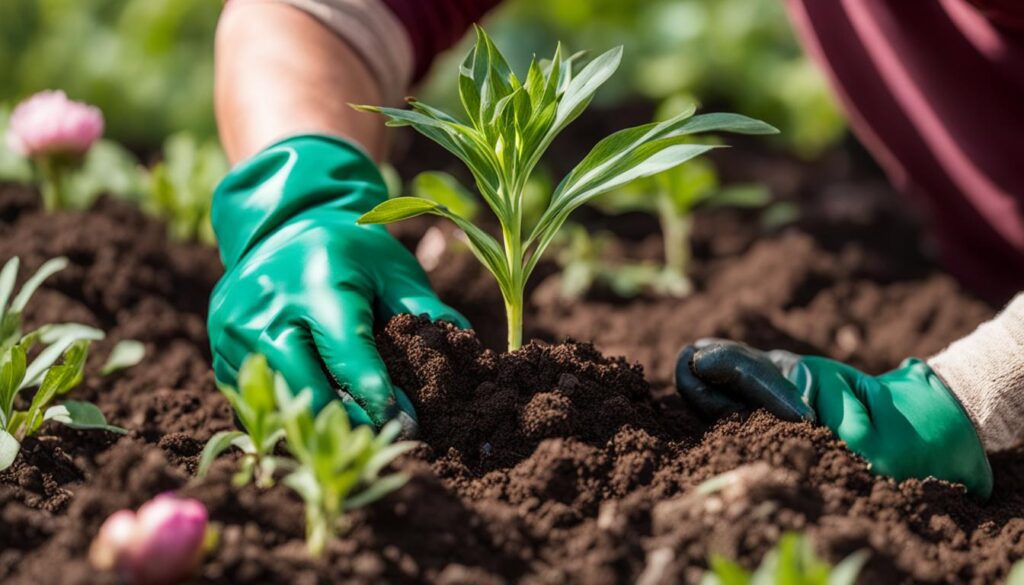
554,464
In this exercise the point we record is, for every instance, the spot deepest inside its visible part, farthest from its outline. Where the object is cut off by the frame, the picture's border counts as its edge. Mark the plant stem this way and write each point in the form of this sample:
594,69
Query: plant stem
514,312
52,188
512,235
675,232
317,532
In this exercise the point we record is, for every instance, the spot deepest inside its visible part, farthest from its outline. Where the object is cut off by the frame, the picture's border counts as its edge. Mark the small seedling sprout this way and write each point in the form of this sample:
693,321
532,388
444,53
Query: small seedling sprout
506,127
338,467
66,343
792,562
255,407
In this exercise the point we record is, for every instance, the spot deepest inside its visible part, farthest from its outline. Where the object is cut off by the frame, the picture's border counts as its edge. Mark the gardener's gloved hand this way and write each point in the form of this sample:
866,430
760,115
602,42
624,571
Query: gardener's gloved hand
906,422
303,283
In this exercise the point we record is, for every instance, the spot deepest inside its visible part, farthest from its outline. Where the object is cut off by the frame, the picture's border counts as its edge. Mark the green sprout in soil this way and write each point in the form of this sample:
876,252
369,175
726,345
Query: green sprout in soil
338,467
507,126
792,562
254,405
672,197
180,187
67,343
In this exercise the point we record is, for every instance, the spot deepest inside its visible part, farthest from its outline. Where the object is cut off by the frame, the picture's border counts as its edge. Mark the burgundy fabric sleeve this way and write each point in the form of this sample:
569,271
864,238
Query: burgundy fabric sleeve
935,90
436,25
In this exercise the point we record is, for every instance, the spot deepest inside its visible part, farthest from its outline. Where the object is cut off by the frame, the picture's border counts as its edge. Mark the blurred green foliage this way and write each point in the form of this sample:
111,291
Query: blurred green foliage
792,562
735,55
180,187
148,64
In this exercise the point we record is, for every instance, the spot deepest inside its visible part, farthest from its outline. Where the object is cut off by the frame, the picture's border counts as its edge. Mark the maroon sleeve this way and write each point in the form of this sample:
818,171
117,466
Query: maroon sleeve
934,90
1008,14
436,25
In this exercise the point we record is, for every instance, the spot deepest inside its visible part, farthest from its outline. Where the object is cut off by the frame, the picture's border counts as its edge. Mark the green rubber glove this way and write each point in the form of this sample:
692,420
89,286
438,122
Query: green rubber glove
303,282
906,422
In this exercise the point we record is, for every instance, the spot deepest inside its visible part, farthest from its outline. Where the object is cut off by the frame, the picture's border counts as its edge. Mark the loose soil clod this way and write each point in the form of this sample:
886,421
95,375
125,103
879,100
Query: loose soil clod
554,464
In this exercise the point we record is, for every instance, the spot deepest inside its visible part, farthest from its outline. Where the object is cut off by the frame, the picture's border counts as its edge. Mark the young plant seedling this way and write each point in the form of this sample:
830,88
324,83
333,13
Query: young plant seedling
254,405
338,466
585,265
180,187
672,197
792,562
67,342
507,126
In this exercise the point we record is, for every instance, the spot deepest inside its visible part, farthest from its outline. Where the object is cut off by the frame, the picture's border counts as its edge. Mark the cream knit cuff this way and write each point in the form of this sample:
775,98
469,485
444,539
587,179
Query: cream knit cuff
985,370
373,31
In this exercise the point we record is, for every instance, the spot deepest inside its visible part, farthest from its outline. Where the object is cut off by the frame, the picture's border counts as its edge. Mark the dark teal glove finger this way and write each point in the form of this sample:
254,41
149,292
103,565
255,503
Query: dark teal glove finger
749,376
343,335
710,402
293,354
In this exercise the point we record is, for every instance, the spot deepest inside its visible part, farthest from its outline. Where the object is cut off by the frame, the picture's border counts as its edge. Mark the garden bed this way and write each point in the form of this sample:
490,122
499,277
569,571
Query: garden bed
554,464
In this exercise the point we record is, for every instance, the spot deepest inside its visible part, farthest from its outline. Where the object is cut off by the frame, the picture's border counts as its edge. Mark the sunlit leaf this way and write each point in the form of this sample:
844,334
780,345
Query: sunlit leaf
127,353
81,415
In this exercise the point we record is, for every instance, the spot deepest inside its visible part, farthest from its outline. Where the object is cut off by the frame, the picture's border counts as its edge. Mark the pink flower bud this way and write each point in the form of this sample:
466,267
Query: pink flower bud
162,544
116,535
48,123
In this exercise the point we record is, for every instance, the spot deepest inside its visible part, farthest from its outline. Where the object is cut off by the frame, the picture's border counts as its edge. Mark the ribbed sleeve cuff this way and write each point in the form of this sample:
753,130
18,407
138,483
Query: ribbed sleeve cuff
985,371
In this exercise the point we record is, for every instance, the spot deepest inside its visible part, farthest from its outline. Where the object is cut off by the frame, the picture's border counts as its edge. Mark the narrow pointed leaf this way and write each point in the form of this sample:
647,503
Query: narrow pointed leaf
7,277
82,416
127,353
9,448
29,288
446,190
398,209
377,490
217,444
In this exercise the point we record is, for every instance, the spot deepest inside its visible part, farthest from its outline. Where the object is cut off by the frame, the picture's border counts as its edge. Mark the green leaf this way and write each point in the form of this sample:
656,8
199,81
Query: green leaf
398,209
217,444
48,268
847,571
584,85
126,353
9,448
82,416
728,572
60,338
1016,574
7,277
305,484
256,386
484,247
377,490
446,190
12,373
740,196
726,122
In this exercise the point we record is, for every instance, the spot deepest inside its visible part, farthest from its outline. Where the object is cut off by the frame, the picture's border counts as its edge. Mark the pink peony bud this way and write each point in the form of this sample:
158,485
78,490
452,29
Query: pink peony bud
116,535
48,123
162,544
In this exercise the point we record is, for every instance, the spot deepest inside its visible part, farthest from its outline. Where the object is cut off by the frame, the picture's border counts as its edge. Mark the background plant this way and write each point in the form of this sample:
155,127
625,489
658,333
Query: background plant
736,54
180,187
509,124
338,467
672,197
792,562
586,265
255,406
67,342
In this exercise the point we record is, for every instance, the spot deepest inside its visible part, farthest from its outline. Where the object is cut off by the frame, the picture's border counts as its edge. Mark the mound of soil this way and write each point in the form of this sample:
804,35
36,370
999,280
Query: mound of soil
553,464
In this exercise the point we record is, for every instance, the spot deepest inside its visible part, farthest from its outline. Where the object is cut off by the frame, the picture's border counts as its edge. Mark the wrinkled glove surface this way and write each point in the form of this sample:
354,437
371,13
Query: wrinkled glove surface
906,422
303,282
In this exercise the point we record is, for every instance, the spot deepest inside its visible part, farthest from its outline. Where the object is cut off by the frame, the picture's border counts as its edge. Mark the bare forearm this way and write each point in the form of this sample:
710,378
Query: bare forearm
280,72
